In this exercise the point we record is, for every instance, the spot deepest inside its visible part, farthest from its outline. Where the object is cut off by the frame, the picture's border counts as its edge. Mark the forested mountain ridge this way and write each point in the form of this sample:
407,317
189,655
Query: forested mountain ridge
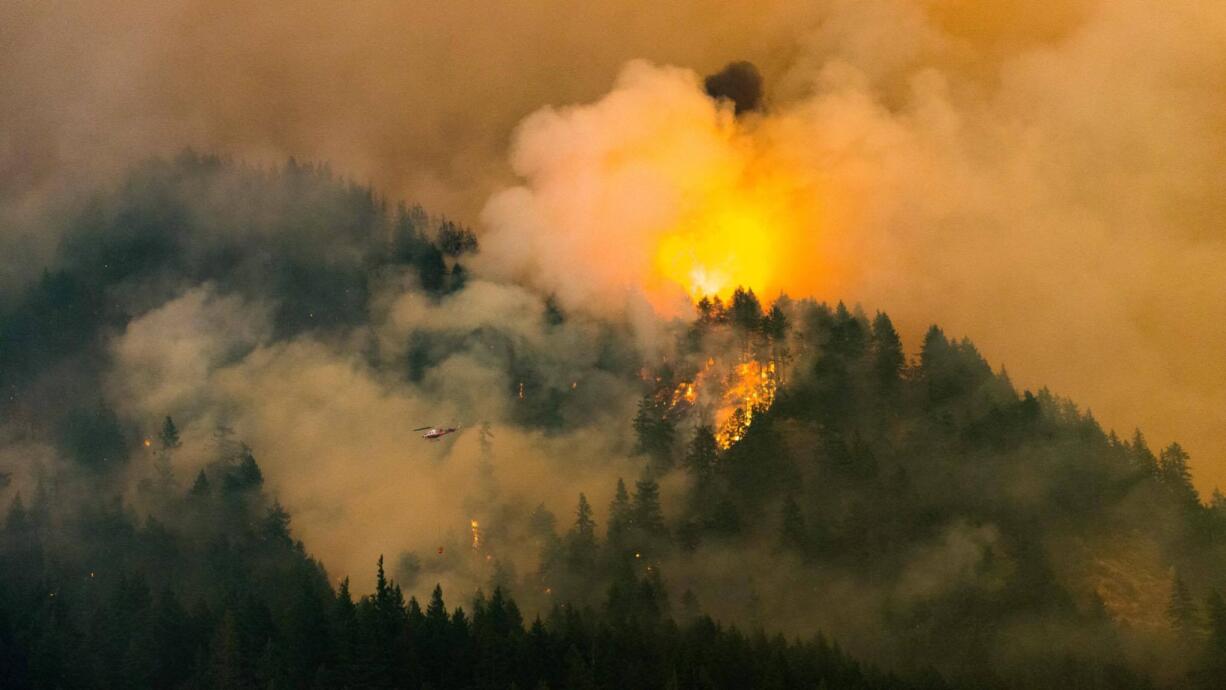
921,510
217,594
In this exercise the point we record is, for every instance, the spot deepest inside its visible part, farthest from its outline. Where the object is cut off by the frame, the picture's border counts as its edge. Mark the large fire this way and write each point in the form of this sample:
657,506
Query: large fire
727,246
746,391
752,390
658,192
754,232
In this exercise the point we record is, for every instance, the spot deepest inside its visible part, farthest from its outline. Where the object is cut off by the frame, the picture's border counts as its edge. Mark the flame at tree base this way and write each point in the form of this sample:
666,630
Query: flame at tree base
751,392
747,391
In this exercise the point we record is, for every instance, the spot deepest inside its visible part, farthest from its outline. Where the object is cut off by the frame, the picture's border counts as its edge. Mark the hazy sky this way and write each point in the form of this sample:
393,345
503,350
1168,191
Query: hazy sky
1045,178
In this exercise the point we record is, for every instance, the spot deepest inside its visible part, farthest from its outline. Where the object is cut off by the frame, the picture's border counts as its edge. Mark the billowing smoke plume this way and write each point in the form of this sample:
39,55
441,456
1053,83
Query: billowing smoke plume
654,194
1032,181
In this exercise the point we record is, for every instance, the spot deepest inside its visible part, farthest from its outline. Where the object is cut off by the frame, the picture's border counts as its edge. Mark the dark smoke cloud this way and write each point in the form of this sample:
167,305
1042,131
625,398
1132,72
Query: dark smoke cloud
739,82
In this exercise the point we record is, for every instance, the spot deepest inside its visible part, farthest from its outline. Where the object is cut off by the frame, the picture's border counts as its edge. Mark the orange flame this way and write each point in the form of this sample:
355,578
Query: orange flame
751,391
729,245
749,229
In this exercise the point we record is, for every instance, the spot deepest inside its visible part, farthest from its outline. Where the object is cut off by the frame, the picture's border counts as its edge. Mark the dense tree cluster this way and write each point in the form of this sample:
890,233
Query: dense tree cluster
211,591
868,453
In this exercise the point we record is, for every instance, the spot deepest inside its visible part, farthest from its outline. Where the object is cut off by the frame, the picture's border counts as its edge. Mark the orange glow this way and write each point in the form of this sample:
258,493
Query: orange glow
739,395
729,245
685,391
476,530
752,390
753,234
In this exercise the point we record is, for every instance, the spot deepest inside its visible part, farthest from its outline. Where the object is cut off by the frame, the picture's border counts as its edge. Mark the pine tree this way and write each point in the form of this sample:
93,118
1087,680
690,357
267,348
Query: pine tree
170,435
436,636
581,541
542,522
1217,500
775,323
436,610
710,311
888,359
620,516
1215,611
646,513
1181,611
703,454
1211,669
847,337
201,487
654,432
745,310
276,524
457,278
455,239
1142,457
1176,475
248,474
934,350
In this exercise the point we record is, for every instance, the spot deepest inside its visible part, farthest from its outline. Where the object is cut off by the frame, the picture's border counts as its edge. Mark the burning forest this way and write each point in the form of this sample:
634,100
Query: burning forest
438,345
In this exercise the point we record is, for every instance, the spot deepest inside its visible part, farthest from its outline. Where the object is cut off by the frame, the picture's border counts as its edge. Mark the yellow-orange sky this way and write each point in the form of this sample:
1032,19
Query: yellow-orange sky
1045,178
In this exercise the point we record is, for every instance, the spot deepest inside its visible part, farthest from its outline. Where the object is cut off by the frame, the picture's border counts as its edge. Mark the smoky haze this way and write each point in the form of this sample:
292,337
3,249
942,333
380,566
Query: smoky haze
1043,179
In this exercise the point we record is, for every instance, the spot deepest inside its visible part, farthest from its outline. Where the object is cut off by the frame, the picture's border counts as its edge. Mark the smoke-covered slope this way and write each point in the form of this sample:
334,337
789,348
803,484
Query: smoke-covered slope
787,468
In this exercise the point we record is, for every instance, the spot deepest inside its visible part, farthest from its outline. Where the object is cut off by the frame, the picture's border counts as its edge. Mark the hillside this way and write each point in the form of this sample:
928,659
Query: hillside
771,477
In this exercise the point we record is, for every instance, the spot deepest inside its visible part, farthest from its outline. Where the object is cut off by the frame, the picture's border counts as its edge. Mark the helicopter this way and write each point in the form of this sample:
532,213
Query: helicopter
434,433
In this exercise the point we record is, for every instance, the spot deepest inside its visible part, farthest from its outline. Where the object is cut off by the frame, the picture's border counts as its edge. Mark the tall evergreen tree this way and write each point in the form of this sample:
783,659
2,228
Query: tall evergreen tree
745,311
1176,475
646,512
275,526
847,336
934,350
620,516
169,435
1215,612
581,540
703,453
888,359
775,323
1181,610
1142,457
201,486
655,433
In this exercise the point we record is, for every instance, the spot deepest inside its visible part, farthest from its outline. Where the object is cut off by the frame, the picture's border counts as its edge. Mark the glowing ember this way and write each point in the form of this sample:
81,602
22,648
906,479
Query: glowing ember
476,530
686,392
148,443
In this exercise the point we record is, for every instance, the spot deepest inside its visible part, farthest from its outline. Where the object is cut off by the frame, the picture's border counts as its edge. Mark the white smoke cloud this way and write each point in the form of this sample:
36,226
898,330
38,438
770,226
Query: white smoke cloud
1043,184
